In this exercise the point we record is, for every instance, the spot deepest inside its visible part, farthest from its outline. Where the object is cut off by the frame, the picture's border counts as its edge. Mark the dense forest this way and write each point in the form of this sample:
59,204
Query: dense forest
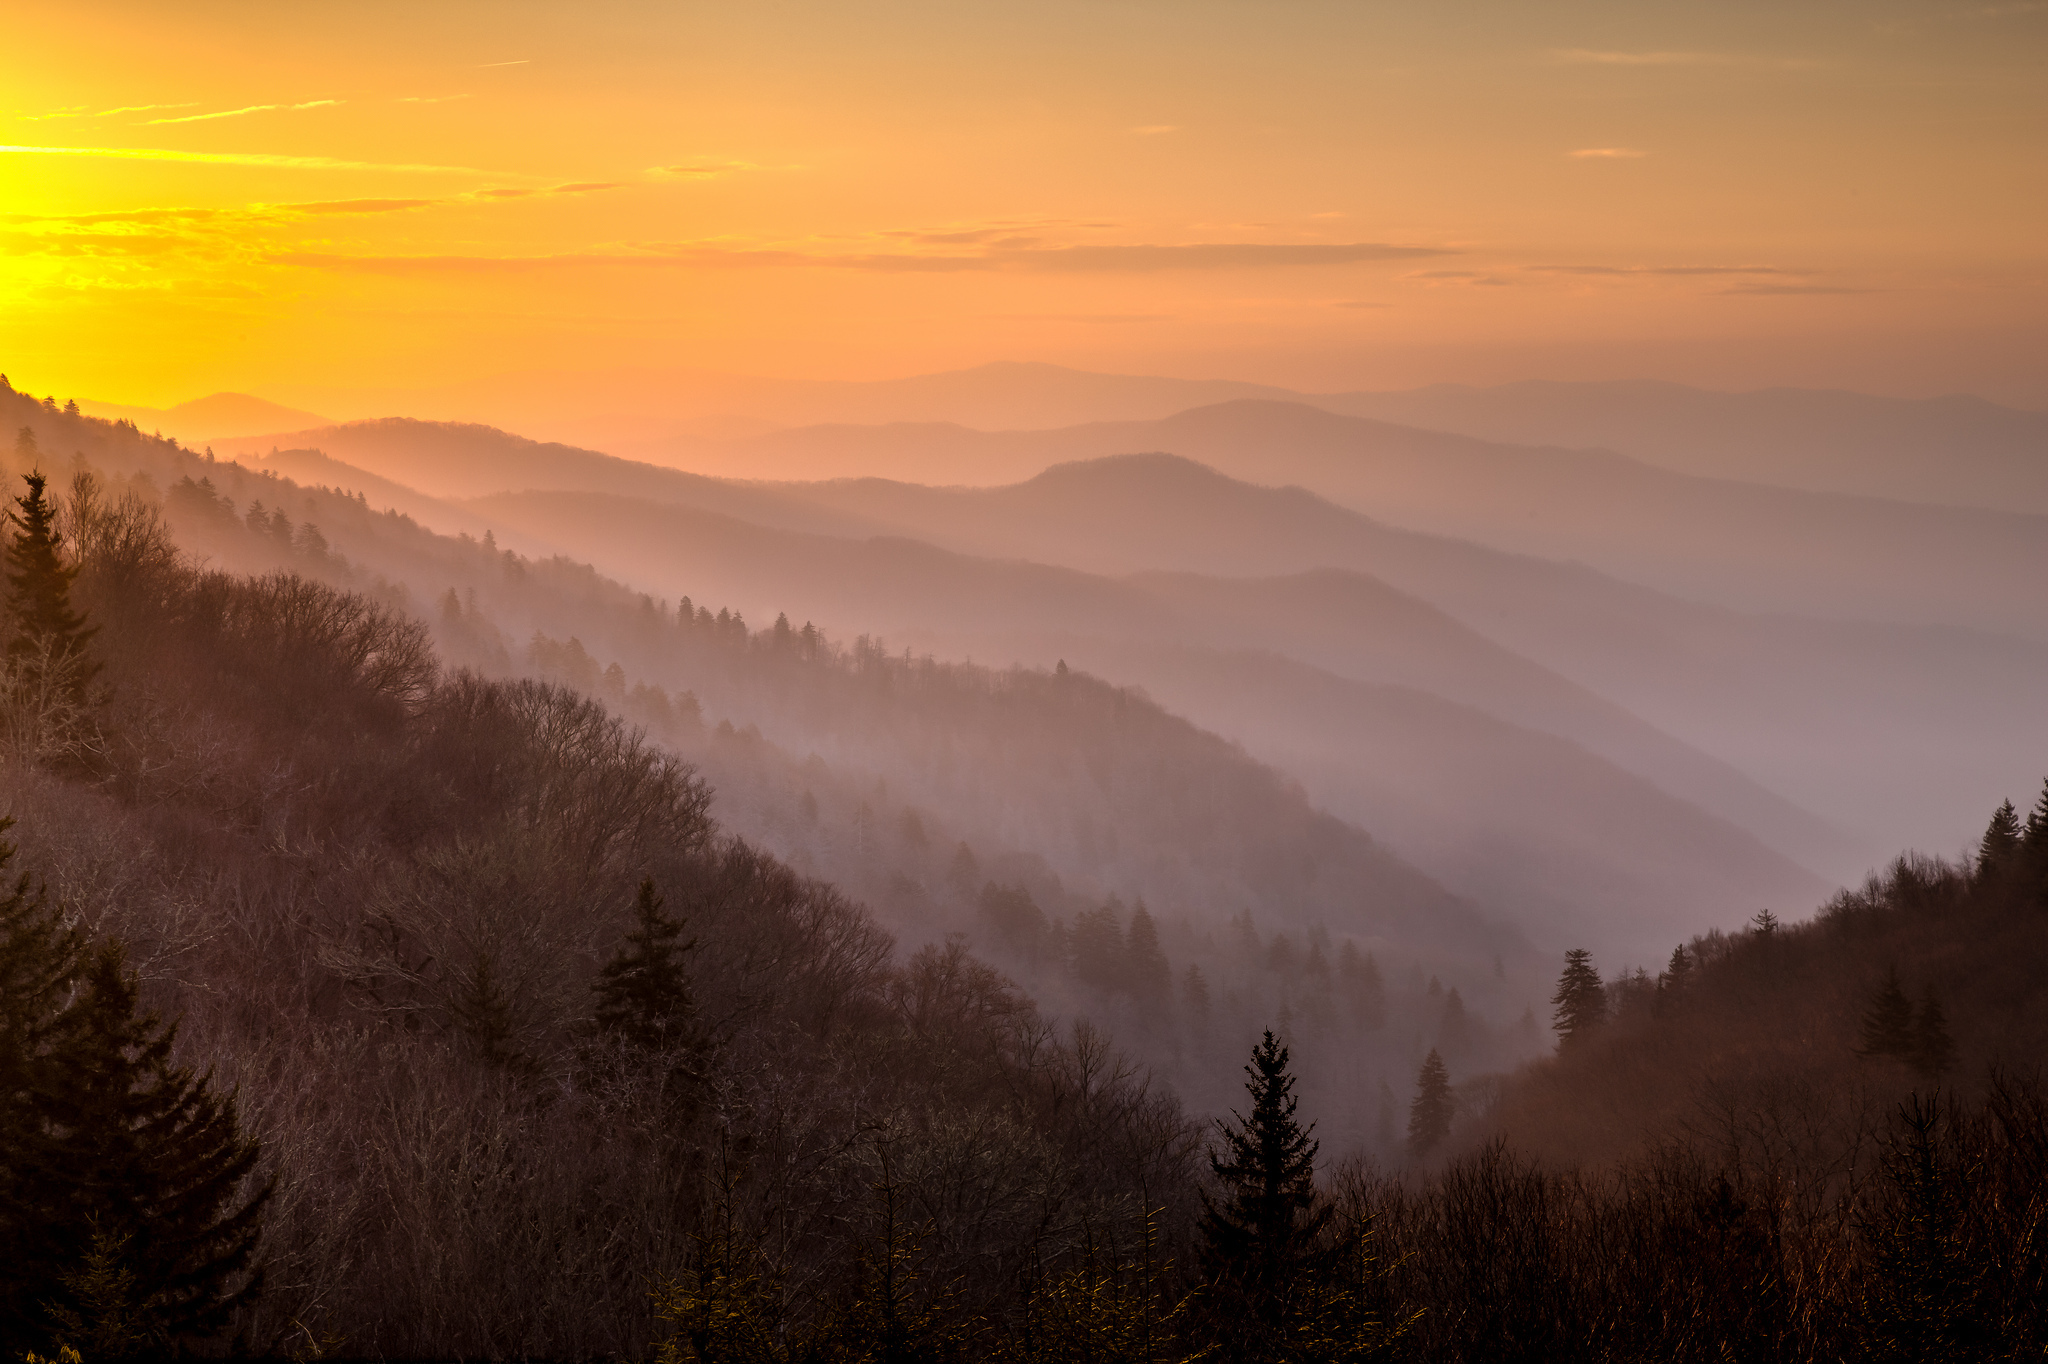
378,982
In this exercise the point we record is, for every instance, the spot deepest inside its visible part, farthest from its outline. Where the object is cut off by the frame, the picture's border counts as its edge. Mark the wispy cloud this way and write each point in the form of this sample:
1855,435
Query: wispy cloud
321,206
238,159
1661,270
80,111
1142,258
523,61
703,170
431,99
1579,56
237,113
1607,153
1472,277
1770,289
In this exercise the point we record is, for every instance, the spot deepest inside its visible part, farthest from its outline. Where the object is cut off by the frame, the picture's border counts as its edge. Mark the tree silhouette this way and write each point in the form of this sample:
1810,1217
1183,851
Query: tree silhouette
1429,1116
2000,842
1888,1022
643,993
1259,1241
126,1208
1581,1000
1932,1050
46,631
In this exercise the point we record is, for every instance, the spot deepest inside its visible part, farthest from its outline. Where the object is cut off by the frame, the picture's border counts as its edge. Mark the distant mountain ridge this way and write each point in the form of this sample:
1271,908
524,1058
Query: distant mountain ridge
209,418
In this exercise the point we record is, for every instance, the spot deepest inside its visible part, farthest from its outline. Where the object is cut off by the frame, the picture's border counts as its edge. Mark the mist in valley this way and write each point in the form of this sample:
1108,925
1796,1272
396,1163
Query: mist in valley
894,684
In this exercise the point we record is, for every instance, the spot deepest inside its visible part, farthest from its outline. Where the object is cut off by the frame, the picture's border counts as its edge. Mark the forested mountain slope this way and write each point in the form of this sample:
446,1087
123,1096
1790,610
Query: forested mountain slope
913,784
1479,803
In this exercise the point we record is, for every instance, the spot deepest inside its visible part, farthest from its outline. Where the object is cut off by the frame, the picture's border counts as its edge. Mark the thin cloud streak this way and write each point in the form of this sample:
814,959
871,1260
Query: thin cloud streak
237,113
109,113
1579,56
239,159
1070,259
1607,154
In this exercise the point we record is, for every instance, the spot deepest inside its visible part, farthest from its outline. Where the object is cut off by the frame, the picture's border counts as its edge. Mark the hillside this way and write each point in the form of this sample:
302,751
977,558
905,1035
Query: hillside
1471,799
913,783
1772,1022
1786,701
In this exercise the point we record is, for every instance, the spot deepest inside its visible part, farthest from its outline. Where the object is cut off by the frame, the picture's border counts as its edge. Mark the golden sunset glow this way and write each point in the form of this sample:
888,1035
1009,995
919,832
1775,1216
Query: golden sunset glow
319,202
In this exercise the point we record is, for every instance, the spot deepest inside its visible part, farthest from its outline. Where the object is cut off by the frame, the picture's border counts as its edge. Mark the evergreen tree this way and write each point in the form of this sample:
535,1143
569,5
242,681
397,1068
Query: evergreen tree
1678,974
40,960
46,630
126,1215
1888,1022
1151,978
643,993
2000,842
1429,1116
1260,1240
1581,1000
2035,834
1933,1051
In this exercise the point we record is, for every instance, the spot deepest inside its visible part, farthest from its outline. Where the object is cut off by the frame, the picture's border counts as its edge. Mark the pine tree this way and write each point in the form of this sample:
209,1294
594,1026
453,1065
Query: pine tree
1150,977
1888,1022
46,631
1581,999
1260,1241
1429,1116
2000,842
643,993
1932,1050
142,1229
2035,835
40,960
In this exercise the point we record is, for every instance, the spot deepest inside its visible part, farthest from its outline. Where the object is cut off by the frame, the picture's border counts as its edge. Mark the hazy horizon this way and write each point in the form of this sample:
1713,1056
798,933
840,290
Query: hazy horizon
686,682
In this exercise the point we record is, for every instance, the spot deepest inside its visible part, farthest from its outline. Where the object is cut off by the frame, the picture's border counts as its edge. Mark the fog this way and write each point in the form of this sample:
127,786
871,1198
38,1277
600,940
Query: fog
1019,780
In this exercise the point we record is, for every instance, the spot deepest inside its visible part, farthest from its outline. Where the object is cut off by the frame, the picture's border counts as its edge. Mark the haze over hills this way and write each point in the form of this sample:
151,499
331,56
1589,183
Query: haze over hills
1414,762
1743,545
1793,703
1956,450
208,418
1953,450
1740,544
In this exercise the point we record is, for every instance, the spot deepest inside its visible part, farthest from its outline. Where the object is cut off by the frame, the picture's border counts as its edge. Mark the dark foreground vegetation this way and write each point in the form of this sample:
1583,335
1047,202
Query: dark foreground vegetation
352,1006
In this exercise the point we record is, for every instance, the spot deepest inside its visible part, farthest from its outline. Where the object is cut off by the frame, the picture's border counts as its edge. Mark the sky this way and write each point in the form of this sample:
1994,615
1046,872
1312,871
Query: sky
320,198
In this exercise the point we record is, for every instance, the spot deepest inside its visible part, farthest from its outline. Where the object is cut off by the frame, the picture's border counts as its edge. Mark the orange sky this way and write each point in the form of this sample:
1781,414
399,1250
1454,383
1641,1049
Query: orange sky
310,199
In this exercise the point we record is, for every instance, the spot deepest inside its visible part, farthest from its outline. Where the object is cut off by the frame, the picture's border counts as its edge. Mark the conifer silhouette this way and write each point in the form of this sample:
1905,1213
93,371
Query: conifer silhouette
1429,1116
1932,1051
1888,1022
125,1203
45,630
2001,841
643,993
1581,1000
1259,1242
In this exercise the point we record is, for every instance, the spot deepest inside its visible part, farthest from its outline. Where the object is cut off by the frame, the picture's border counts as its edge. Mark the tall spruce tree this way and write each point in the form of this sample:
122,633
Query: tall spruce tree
126,1200
643,993
46,630
1888,1022
1429,1116
1260,1240
1933,1051
40,960
1581,999
2001,841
